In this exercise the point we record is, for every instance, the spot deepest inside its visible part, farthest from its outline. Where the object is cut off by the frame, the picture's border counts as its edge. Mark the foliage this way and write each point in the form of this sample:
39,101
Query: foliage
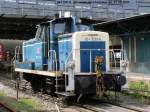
21,105
140,88
2,94
140,85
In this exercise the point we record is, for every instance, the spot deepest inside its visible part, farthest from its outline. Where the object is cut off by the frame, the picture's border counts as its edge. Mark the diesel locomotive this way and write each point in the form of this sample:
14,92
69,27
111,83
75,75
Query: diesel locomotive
67,57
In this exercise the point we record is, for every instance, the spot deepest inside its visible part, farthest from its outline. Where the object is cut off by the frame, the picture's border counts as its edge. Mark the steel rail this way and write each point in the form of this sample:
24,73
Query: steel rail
101,106
100,109
7,108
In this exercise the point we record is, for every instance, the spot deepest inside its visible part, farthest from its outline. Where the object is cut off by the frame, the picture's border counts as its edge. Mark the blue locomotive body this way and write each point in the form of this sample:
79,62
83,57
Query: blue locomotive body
33,52
77,54
66,48
97,47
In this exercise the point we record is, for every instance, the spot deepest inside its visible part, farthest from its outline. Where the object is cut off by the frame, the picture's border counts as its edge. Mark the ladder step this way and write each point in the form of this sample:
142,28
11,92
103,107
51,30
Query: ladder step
59,86
65,93
48,80
59,79
66,73
50,83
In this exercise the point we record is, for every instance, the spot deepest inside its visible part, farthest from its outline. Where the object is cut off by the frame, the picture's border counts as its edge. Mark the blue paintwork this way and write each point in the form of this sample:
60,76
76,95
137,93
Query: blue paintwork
85,55
34,50
51,63
54,46
38,48
25,65
65,47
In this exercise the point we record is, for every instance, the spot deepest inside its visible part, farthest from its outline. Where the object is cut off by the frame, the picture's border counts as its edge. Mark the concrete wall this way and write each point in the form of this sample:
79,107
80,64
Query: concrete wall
139,67
137,47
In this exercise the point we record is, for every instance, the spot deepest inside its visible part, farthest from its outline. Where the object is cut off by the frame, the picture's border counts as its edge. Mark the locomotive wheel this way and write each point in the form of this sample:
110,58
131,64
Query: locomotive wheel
49,86
38,83
34,85
118,88
41,83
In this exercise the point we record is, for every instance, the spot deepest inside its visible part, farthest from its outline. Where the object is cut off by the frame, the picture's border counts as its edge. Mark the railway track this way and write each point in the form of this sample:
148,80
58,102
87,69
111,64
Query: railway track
105,107
4,108
86,106
97,105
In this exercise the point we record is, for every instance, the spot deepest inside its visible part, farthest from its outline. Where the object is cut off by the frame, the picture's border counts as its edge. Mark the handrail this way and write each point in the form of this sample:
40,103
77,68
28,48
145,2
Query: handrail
55,57
123,55
66,63
114,57
13,60
17,53
111,50
67,60
55,60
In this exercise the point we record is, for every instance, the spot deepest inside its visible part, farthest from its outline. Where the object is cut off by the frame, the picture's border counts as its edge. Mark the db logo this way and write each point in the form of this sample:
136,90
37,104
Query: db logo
38,51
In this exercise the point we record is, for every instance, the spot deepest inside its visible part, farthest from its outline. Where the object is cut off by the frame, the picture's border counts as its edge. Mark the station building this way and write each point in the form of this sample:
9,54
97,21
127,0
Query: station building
134,33
95,9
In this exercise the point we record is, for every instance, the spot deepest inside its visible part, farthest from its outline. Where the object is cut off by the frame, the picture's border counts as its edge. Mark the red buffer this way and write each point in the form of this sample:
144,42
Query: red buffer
2,52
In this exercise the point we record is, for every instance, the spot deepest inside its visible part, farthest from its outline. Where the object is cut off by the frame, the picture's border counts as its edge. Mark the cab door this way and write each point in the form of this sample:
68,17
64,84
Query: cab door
85,57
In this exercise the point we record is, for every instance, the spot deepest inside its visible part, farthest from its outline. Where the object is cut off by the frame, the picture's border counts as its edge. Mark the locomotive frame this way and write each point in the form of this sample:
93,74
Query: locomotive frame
45,59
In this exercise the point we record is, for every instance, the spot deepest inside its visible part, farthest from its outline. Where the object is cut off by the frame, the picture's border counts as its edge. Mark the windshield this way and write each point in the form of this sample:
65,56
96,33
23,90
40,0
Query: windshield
81,27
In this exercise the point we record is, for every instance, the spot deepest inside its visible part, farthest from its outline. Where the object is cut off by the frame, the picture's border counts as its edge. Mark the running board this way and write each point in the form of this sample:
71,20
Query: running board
68,94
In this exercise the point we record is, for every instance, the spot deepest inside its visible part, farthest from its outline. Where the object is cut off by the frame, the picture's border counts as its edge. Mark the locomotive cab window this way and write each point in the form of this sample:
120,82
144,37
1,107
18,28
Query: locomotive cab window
62,26
59,28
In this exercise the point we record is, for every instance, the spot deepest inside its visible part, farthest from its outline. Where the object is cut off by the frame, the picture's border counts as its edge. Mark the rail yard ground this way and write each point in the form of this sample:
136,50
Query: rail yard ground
129,101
